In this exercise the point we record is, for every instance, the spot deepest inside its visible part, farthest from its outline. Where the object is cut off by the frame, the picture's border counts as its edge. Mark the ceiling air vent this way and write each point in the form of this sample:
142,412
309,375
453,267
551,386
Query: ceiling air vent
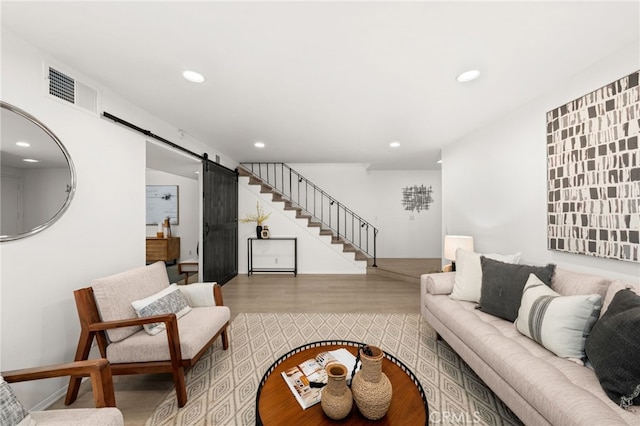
62,86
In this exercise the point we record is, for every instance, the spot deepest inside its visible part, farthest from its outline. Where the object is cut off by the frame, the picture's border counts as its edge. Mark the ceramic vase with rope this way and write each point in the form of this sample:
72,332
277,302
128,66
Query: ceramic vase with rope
370,386
336,396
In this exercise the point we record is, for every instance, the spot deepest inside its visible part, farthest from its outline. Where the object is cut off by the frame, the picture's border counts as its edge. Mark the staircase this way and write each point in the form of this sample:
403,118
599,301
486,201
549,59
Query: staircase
319,209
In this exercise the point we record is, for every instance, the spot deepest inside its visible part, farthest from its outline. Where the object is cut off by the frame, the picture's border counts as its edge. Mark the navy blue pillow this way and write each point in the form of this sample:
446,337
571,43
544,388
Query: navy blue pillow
613,347
502,285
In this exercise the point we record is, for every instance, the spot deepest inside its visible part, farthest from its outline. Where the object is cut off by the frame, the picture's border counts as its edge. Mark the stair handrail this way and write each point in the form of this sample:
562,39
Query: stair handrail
256,168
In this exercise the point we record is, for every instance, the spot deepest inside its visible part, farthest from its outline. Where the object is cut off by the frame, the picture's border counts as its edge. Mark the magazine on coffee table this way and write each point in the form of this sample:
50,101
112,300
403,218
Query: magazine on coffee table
307,379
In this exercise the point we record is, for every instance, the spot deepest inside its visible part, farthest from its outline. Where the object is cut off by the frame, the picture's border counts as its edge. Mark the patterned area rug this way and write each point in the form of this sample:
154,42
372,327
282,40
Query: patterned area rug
222,386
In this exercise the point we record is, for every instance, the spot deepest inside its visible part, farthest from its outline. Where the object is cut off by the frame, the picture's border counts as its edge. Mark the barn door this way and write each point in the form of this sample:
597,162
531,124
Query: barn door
220,223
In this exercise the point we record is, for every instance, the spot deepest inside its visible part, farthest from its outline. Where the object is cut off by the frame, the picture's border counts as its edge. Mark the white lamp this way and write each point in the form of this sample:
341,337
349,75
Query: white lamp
453,243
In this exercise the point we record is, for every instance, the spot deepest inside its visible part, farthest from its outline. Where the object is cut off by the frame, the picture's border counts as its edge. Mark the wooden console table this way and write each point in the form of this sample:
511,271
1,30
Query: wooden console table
163,249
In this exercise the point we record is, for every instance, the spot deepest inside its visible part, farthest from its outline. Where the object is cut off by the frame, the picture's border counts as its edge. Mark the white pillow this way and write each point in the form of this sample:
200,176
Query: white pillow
468,280
168,301
559,323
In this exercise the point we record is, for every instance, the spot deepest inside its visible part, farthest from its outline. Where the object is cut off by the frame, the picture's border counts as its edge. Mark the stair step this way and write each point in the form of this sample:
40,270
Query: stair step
326,232
242,171
265,189
361,256
312,224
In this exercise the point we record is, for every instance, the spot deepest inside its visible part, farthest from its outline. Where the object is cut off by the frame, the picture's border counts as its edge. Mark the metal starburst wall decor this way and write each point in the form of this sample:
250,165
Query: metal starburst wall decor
417,197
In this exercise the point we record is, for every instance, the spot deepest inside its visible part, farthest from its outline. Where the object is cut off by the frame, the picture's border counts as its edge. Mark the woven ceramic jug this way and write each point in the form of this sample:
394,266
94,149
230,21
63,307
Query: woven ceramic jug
371,387
336,396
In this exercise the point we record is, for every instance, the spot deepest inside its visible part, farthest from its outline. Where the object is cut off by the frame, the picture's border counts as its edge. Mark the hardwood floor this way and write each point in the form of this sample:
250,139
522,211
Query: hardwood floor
137,396
320,293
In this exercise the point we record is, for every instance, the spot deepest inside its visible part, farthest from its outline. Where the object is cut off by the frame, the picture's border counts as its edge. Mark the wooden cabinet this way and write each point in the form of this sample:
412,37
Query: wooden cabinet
165,249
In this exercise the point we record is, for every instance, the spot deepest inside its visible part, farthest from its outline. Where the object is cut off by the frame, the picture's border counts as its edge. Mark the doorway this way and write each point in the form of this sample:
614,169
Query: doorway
170,168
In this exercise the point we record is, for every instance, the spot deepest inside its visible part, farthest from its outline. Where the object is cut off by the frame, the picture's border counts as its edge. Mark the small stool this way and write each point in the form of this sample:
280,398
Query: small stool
188,267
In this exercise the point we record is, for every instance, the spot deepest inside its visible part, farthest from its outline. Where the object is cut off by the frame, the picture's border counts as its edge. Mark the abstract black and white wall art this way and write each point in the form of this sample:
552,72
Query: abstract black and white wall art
593,172
417,197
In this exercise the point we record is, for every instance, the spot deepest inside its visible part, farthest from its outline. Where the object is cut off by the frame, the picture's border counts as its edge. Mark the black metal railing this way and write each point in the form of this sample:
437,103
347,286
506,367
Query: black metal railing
322,207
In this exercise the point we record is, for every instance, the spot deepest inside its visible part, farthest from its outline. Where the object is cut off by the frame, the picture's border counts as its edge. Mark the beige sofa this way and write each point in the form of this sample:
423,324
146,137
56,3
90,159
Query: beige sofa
539,387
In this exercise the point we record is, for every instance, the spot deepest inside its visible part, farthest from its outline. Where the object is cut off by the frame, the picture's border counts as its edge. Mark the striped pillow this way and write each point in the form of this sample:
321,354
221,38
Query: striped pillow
559,323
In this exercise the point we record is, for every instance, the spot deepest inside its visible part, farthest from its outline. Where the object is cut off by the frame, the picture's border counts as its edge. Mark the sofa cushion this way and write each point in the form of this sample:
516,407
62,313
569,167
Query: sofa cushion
11,410
167,301
559,323
614,347
615,287
468,279
115,293
569,283
502,285
196,329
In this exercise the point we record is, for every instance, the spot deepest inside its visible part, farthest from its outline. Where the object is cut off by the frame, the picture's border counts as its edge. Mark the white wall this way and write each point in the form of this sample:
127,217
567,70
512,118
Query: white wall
376,195
494,181
188,228
102,232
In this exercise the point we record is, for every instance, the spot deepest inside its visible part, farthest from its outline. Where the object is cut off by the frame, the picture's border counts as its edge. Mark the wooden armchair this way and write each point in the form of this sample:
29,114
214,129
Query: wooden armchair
107,314
98,370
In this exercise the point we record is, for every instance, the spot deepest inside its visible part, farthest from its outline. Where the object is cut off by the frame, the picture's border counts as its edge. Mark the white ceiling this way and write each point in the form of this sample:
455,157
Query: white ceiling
327,81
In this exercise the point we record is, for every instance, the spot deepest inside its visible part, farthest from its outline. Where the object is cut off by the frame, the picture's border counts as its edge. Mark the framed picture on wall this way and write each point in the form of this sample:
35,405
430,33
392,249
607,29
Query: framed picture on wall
162,202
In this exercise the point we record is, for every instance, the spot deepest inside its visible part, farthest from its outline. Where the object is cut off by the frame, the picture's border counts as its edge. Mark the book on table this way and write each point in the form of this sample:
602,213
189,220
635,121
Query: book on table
306,380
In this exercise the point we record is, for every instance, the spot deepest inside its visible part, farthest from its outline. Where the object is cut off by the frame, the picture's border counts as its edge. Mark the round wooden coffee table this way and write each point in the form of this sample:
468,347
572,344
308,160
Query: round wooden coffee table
276,405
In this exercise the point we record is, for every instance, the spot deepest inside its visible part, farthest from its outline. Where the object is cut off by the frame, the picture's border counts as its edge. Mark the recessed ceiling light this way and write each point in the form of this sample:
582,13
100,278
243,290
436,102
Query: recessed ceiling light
192,76
468,76
23,144
259,144
439,161
30,160
394,144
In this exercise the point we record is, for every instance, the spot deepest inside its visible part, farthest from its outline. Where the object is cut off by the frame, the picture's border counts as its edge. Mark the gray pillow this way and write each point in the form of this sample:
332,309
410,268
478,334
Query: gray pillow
502,285
11,410
613,347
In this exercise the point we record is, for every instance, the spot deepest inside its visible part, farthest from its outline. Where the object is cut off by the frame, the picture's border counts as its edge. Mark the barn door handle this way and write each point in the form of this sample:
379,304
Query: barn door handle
206,229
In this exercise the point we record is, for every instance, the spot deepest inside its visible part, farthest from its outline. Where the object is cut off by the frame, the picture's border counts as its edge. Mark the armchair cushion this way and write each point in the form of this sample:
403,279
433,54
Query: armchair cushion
167,301
114,294
196,329
11,410
27,421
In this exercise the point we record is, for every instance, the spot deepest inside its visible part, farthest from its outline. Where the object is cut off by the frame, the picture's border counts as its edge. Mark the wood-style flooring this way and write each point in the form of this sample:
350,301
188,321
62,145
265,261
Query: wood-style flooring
137,396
